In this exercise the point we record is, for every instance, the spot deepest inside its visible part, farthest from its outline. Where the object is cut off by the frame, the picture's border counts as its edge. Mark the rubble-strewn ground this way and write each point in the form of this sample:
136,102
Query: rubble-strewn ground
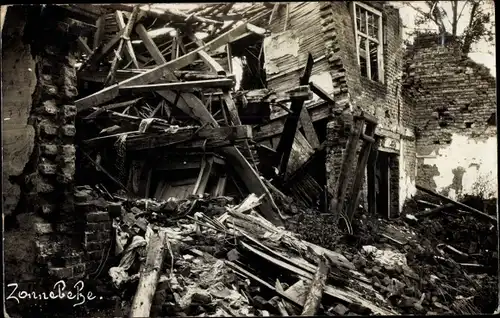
447,286
223,259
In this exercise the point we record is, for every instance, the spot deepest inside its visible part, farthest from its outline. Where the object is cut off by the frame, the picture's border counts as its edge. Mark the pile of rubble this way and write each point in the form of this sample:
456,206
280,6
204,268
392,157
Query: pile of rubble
207,256
171,128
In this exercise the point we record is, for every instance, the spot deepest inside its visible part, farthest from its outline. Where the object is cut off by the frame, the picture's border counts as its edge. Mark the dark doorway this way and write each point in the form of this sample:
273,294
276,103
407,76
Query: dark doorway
383,184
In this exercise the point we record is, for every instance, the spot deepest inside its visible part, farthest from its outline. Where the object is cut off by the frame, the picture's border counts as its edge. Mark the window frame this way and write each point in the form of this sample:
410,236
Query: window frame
379,41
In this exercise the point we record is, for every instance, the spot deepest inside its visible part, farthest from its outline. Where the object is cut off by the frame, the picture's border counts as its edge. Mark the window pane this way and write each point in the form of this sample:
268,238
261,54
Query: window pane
362,27
358,18
362,45
374,61
362,55
370,24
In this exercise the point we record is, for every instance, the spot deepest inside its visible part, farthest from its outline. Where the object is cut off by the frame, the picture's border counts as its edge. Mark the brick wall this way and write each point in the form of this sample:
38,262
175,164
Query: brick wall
357,93
56,232
455,101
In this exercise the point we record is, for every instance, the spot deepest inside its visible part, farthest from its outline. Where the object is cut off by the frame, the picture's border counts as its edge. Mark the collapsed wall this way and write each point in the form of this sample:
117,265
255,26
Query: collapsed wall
45,236
455,115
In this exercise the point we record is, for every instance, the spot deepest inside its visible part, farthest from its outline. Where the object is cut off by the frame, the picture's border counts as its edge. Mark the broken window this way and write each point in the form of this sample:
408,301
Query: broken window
369,46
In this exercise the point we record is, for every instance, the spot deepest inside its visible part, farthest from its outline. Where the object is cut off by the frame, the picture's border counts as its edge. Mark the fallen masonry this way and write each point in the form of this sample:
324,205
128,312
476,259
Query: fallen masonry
175,185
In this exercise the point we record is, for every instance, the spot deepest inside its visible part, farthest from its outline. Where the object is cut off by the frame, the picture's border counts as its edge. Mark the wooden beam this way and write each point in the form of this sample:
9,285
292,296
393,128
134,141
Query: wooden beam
100,76
211,62
129,48
360,172
99,33
112,106
338,197
174,53
309,131
150,44
83,46
321,93
458,204
206,169
103,50
231,107
125,37
291,123
180,86
211,135
257,30
155,74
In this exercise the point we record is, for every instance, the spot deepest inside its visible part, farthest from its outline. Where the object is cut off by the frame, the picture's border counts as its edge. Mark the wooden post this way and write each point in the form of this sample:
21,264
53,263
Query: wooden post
360,171
337,203
150,272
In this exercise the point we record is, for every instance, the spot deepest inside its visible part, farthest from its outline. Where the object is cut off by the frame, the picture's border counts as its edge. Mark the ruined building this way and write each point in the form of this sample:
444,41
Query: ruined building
423,114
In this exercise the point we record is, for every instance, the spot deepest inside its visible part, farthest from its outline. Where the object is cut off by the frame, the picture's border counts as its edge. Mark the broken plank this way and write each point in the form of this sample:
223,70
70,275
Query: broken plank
458,204
180,86
100,24
291,123
129,48
315,294
112,106
309,131
150,44
155,74
150,273
321,93
104,50
339,195
126,34
201,182
262,282
360,172
83,45
221,134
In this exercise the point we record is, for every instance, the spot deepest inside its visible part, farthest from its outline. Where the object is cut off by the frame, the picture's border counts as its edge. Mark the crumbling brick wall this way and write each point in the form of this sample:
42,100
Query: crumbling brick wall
384,100
47,236
455,103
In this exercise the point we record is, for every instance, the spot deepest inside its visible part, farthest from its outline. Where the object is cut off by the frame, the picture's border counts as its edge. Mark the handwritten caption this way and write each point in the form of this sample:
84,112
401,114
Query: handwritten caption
59,291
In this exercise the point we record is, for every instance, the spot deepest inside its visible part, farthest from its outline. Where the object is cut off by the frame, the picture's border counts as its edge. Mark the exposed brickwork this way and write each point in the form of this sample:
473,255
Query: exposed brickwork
382,100
454,96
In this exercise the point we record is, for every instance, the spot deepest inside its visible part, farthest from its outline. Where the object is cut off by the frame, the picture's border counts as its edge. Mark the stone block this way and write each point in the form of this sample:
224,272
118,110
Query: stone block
68,153
69,130
47,168
43,228
61,272
100,226
49,107
48,209
69,111
49,149
98,217
48,128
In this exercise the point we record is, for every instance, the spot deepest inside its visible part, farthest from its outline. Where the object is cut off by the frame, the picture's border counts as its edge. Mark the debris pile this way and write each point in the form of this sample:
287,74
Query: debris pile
159,119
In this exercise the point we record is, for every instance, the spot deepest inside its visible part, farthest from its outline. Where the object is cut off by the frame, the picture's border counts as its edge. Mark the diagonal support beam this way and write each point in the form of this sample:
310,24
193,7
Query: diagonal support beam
157,73
150,44
129,48
291,123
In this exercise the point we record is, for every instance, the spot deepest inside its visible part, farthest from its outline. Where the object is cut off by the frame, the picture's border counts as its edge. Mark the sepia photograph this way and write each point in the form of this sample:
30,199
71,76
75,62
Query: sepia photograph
319,158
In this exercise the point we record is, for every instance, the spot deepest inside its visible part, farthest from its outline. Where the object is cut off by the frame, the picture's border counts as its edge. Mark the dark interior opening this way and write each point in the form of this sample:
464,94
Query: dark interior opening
251,52
381,190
